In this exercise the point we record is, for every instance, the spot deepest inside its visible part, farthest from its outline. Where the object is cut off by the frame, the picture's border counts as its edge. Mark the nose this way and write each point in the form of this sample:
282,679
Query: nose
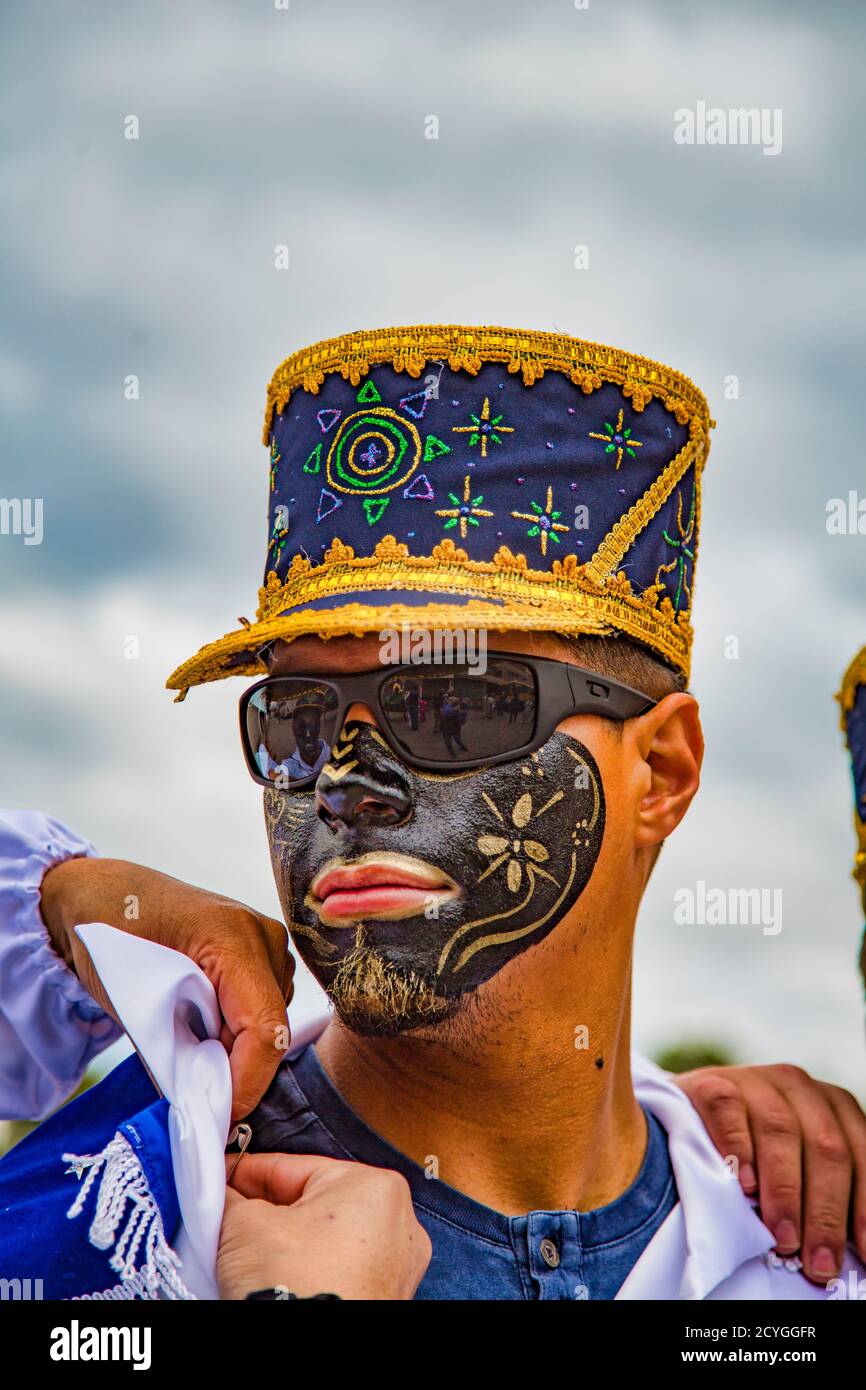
362,784
361,799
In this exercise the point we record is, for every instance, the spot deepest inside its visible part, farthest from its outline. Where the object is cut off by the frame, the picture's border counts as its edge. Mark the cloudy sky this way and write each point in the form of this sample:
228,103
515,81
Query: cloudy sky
306,127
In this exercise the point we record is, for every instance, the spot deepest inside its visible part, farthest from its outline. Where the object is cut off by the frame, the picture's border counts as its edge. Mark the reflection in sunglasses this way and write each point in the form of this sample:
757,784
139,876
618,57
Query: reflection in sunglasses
435,713
454,712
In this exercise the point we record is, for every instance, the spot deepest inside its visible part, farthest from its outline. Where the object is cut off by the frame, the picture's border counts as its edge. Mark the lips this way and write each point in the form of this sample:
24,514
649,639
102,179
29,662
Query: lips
381,886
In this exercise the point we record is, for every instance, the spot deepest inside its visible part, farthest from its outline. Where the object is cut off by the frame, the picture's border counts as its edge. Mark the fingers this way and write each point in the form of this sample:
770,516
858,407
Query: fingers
747,1116
853,1122
721,1105
807,1141
778,1141
827,1171
253,1061
275,938
278,1178
243,953
254,1010
251,989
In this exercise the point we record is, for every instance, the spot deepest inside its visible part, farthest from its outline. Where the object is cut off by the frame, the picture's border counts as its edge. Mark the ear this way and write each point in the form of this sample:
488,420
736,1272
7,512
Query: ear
670,744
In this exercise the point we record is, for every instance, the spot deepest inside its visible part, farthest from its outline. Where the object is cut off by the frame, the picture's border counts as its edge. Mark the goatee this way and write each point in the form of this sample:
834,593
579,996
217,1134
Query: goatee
376,998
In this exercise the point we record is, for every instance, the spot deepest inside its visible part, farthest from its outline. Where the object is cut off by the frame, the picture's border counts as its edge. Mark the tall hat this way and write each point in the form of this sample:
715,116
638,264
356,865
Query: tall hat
450,477
852,698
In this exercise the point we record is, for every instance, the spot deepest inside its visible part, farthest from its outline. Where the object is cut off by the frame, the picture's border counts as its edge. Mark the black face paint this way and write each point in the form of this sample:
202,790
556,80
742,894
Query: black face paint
500,855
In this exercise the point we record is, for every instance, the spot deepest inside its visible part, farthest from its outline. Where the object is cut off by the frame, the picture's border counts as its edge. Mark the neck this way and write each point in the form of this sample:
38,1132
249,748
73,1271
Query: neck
531,1109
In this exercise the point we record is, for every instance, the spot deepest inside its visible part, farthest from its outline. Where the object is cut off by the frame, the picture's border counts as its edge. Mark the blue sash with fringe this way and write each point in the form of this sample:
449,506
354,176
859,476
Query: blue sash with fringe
88,1205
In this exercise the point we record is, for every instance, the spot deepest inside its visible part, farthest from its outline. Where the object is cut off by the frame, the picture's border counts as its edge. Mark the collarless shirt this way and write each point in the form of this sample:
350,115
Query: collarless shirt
478,1253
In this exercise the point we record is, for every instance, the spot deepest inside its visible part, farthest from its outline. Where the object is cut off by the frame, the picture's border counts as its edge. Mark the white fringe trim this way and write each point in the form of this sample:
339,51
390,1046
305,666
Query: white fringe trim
123,1182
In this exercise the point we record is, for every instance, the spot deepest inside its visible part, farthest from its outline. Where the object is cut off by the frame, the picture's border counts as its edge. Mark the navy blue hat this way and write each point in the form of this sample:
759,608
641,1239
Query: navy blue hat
450,477
852,698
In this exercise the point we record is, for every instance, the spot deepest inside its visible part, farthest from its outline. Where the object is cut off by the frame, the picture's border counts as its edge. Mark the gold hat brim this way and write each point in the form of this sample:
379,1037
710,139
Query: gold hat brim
516,598
236,654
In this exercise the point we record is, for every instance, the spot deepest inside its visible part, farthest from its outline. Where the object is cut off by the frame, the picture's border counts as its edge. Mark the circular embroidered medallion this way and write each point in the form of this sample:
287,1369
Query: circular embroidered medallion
373,451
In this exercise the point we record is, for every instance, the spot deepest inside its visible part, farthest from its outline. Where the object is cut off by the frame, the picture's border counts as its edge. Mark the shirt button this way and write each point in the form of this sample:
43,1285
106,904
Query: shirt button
549,1253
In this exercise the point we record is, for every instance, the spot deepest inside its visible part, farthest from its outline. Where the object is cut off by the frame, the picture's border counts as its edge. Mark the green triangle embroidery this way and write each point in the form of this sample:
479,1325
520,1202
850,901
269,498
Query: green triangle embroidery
374,508
368,395
434,448
314,462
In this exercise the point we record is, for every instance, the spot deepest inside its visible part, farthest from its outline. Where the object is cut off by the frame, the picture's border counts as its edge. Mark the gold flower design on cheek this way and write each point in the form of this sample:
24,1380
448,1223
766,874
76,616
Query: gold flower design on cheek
515,852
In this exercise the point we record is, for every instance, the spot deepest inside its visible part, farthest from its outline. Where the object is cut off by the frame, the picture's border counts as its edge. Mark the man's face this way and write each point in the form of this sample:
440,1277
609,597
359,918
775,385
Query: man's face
307,725
280,739
404,890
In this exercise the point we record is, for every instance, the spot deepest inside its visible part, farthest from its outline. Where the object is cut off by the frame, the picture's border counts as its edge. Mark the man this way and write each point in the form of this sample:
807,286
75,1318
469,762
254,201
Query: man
451,723
413,697
416,897
310,748
296,748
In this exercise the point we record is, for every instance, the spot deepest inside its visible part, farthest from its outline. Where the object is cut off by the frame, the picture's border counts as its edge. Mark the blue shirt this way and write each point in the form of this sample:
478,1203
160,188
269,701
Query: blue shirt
478,1253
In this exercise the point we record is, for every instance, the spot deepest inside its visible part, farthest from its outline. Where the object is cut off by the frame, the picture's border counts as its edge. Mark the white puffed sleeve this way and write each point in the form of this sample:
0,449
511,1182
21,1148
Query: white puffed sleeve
50,1028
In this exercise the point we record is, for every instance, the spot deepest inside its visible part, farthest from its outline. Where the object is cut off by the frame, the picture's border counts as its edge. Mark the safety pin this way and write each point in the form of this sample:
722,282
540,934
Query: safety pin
240,1135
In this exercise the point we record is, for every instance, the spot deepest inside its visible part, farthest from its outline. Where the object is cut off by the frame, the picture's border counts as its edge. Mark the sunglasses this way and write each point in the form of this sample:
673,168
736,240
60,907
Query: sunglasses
434,717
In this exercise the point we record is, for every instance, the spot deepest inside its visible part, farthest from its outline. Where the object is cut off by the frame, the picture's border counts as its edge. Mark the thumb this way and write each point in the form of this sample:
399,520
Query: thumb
279,1178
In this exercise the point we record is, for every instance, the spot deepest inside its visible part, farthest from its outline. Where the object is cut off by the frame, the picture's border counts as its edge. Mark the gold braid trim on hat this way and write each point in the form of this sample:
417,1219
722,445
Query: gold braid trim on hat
565,599
588,365
563,608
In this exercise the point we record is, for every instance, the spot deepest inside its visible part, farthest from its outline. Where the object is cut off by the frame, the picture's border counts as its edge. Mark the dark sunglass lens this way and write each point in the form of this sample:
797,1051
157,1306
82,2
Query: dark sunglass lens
459,713
290,729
